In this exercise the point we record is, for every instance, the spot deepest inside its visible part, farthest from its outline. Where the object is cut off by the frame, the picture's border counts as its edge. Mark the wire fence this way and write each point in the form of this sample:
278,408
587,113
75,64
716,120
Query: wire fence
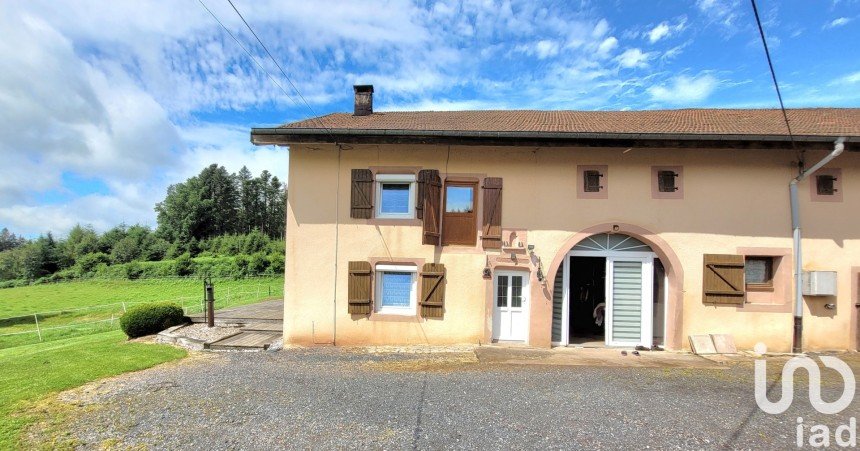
143,277
69,322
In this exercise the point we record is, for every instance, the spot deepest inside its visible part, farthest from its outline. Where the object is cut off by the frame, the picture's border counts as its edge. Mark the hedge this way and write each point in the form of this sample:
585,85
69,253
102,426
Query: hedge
148,319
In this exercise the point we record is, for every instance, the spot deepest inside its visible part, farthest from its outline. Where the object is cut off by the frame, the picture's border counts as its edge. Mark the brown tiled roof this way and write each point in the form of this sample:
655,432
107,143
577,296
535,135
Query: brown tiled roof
804,122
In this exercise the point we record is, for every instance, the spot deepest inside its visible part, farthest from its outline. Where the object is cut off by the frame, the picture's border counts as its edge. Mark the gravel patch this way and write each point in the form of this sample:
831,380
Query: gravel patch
208,334
346,398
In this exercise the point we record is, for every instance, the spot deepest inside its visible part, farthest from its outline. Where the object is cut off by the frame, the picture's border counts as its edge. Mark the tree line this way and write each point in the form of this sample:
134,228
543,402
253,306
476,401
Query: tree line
212,222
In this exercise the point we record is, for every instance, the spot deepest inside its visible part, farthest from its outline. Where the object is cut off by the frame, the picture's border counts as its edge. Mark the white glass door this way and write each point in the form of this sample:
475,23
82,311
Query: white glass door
629,282
510,307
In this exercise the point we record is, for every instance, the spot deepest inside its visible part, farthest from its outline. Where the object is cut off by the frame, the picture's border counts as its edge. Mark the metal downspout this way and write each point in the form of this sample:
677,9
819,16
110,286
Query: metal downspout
797,342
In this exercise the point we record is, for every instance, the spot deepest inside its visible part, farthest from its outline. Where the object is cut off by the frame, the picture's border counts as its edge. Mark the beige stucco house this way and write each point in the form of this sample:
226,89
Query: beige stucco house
634,228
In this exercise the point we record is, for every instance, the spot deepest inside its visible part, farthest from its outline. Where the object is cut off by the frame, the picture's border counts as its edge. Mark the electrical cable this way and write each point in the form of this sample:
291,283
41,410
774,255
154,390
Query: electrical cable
775,83
283,72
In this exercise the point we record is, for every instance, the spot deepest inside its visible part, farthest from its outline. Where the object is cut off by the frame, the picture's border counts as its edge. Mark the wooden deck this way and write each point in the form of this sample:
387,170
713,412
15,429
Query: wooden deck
262,323
261,312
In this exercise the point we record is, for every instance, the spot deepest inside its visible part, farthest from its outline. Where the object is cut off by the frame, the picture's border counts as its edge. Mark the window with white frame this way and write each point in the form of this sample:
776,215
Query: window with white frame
396,289
396,194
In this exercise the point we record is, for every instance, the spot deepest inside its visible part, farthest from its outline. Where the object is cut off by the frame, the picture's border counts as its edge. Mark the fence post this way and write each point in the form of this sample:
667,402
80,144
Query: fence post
111,320
123,306
38,330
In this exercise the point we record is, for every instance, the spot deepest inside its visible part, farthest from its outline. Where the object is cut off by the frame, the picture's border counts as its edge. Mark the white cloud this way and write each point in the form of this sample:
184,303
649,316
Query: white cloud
722,12
633,58
59,113
664,30
684,89
837,22
608,45
546,48
102,212
849,79
228,146
600,29
658,32
445,105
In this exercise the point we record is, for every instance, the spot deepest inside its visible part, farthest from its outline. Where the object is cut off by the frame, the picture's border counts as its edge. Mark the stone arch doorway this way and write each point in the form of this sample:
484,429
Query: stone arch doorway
626,251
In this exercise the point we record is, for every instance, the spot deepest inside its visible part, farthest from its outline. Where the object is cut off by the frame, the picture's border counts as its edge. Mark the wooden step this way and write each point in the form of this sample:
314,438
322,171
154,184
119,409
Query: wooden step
246,341
264,327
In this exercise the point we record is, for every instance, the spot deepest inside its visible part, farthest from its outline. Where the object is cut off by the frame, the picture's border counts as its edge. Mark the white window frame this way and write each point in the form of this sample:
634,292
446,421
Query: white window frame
412,309
382,179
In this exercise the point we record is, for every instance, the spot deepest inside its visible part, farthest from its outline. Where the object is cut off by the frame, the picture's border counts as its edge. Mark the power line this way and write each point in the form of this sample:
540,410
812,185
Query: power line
283,72
254,59
773,75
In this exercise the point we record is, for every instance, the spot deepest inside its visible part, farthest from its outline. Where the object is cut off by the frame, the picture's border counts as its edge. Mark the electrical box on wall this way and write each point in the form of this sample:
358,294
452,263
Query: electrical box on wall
819,283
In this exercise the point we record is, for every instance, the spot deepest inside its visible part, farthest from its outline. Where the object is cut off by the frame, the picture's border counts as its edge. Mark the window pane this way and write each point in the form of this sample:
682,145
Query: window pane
516,291
458,199
396,289
757,270
395,198
502,291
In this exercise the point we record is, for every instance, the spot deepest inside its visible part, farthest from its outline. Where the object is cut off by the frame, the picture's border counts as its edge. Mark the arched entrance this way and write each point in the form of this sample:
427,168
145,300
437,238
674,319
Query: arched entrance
616,285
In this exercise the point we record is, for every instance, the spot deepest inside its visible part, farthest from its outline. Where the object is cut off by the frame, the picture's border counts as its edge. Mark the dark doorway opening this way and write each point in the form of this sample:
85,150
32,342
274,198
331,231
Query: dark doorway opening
587,312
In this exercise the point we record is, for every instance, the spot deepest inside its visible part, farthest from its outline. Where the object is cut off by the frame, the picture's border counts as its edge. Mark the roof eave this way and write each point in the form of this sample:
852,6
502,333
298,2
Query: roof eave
286,136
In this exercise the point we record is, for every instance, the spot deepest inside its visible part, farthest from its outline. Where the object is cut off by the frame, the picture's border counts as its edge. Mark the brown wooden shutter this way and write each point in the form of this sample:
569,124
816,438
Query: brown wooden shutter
492,233
359,290
431,199
723,279
432,290
591,180
361,199
424,177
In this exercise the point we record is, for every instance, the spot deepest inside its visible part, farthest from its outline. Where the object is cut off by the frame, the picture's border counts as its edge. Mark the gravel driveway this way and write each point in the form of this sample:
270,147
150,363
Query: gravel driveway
342,398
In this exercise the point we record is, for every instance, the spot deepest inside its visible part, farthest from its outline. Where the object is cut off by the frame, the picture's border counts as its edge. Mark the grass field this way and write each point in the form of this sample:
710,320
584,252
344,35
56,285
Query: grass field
89,306
29,373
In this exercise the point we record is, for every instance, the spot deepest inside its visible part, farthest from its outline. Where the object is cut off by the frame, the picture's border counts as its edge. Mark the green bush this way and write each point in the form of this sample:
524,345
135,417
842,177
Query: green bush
240,265
254,242
152,318
133,270
14,283
276,263
257,264
184,265
64,275
89,262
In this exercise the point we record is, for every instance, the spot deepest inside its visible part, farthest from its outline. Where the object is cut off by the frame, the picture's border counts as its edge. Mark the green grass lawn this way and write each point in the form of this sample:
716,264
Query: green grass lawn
29,373
58,296
59,304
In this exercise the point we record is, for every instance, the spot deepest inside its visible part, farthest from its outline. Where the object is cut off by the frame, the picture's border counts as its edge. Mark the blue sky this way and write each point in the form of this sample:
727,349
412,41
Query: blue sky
104,104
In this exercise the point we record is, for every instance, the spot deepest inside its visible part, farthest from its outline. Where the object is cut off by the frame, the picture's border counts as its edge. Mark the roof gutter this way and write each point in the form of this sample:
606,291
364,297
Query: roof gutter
797,342
285,136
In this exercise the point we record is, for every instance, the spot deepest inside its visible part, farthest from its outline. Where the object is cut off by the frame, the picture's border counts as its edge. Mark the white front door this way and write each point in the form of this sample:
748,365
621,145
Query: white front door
510,311
629,295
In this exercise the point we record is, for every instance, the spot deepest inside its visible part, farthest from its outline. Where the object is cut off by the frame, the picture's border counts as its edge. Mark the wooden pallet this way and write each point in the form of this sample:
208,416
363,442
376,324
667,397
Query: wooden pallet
246,340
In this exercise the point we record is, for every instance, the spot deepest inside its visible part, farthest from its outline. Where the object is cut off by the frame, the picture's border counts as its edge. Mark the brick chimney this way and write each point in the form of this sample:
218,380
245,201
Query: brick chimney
363,100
